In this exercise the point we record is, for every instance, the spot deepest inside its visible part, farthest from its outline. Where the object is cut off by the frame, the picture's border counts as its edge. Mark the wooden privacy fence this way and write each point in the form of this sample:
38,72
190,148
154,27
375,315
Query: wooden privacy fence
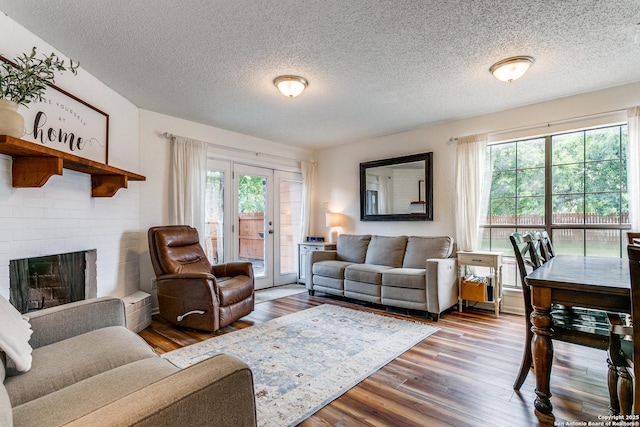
535,222
559,218
251,234
251,229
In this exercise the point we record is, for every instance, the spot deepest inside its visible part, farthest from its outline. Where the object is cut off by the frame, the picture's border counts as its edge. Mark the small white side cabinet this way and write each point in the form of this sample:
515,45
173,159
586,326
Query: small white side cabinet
304,249
484,288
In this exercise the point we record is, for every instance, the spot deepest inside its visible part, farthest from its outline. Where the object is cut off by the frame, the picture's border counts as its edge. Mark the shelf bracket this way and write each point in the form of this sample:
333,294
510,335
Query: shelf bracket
107,185
34,171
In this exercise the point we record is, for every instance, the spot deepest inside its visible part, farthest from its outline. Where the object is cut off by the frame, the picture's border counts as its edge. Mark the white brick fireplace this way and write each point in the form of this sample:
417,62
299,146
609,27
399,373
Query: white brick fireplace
62,216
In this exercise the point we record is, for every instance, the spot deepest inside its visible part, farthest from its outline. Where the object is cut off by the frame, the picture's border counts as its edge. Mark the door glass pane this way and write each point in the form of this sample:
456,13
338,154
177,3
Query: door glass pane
290,223
214,216
252,194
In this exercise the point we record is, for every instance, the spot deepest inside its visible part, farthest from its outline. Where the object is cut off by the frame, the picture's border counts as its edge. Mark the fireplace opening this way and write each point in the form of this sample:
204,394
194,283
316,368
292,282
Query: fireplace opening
47,281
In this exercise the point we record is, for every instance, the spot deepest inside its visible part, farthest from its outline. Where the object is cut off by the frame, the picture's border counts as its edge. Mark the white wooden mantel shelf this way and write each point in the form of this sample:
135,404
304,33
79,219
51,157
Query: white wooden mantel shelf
34,164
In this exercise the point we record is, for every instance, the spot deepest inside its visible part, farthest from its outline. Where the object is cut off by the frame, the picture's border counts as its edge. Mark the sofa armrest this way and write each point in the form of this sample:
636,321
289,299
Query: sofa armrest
442,284
215,392
68,320
315,256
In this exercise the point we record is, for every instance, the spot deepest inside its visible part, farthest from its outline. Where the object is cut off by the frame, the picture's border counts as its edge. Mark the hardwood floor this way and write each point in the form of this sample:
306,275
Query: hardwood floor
460,376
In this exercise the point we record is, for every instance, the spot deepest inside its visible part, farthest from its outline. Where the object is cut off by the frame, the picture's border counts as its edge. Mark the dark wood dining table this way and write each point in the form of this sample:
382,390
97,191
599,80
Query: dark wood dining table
574,281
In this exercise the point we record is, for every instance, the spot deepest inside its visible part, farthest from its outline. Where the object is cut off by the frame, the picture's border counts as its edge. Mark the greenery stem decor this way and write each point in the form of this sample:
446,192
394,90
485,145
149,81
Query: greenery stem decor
27,78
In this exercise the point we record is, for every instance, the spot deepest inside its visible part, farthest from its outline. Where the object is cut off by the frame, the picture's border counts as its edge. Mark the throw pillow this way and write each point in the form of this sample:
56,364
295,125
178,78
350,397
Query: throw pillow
15,332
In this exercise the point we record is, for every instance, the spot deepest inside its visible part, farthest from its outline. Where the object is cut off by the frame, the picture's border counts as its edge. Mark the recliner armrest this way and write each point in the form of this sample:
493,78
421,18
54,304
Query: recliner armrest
231,269
194,286
218,391
196,276
68,320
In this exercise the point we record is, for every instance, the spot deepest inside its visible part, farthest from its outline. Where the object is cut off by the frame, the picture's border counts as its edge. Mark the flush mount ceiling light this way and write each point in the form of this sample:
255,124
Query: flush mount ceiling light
511,69
290,86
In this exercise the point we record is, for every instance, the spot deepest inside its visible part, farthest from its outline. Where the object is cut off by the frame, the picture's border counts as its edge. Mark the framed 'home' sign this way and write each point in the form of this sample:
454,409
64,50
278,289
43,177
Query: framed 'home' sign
66,123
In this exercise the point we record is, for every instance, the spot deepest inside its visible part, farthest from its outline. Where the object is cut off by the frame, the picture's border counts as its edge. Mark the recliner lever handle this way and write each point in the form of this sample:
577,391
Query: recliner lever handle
179,318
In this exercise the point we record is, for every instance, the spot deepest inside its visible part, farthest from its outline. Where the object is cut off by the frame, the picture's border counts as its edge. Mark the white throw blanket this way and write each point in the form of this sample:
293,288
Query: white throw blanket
15,332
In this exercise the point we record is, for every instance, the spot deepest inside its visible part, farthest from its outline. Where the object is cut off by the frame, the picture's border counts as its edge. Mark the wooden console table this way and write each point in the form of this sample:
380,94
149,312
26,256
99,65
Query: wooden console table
34,164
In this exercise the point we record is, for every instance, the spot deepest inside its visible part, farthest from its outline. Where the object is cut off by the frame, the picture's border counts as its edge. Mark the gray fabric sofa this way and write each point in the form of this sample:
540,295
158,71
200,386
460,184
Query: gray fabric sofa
411,272
88,369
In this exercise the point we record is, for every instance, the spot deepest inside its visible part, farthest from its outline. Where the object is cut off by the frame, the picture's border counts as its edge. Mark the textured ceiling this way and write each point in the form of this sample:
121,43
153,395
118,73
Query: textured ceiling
374,67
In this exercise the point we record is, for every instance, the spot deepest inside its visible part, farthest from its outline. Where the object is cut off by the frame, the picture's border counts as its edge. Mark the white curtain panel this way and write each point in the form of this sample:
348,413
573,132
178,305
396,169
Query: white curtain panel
307,169
187,184
633,167
470,200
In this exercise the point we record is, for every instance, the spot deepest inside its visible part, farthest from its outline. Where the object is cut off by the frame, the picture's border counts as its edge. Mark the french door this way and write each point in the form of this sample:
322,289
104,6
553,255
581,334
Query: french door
265,210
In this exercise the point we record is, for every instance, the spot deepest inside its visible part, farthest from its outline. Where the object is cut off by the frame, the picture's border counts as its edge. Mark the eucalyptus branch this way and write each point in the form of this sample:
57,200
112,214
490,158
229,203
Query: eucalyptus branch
26,79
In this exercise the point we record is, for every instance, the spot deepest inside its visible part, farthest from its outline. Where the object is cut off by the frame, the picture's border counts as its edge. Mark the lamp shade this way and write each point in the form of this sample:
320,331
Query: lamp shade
290,86
511,69
333,219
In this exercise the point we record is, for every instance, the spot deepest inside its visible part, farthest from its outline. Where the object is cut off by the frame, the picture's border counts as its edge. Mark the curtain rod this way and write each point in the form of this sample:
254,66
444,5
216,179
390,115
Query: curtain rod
548,124
239,150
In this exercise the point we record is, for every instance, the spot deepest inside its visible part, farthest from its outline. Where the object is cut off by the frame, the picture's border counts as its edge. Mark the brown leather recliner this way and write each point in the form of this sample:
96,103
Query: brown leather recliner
192,292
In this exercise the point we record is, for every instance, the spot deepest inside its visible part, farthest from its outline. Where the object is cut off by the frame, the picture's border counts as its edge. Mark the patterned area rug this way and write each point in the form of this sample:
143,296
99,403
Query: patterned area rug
304,360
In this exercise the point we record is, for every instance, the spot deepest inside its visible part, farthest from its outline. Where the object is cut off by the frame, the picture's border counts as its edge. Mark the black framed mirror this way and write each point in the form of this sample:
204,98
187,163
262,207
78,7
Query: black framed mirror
397,189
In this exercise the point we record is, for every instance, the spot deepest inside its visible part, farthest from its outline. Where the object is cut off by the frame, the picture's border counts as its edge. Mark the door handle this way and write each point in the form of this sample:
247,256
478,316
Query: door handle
270,231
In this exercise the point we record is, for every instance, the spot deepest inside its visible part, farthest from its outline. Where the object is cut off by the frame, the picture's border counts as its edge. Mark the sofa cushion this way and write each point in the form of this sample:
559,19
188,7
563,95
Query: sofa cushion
362,291
413,299
414,278
58,365
388,251
85,396
419,249
330,268
6,414
367,273
329,285
352,248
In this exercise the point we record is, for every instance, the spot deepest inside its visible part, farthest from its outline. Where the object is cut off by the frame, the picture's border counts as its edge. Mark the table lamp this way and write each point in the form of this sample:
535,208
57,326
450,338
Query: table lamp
333,220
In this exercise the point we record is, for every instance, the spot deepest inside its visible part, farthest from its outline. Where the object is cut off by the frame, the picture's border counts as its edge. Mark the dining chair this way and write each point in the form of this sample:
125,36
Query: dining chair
546,247
576,325
526,259
632,236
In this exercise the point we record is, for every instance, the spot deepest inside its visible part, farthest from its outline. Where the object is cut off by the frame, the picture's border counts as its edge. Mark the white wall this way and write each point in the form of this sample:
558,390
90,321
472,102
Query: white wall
62,216
338,167
154,164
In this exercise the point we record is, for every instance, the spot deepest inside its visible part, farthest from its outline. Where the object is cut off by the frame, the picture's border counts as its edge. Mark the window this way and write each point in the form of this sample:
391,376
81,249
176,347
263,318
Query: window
573,185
